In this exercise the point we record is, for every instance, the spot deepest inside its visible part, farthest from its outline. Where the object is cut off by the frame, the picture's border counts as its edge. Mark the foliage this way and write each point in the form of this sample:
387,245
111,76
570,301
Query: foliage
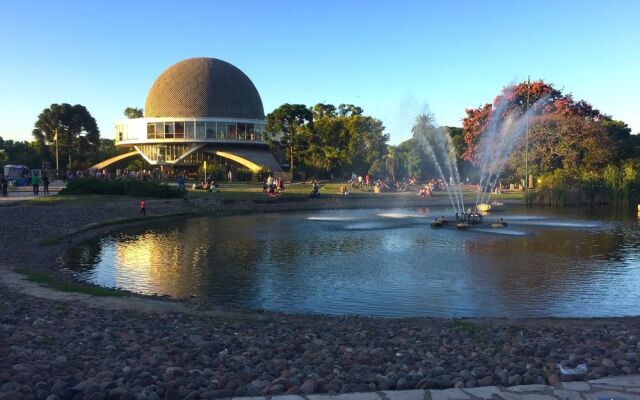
3,153
330,141
129,187
133,112
77,132
621,180
514,101
21,153
108,149
558,178
568,142
617,183
592,184
624,144
391,162
290,121
564,133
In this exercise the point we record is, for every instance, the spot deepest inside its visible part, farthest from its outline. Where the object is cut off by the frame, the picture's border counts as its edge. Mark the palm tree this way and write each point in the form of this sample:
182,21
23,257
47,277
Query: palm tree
423,123
391,162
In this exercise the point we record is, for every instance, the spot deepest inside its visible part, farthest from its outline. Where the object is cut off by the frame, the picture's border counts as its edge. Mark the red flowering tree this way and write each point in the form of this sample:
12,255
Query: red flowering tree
514,101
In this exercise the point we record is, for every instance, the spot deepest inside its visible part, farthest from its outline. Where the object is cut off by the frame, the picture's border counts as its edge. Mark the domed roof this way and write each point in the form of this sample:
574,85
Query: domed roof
203,87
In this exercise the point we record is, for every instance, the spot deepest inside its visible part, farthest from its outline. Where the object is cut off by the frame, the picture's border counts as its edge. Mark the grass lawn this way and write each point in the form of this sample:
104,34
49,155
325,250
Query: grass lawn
250,192
50,282
253,192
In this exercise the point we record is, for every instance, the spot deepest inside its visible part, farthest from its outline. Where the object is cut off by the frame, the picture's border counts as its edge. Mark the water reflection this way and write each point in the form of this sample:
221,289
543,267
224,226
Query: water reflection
391,265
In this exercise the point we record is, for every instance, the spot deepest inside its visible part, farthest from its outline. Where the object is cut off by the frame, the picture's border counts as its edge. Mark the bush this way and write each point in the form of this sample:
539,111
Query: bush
127,187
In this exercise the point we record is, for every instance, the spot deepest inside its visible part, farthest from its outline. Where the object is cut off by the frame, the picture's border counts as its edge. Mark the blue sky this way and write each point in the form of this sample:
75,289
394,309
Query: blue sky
393,58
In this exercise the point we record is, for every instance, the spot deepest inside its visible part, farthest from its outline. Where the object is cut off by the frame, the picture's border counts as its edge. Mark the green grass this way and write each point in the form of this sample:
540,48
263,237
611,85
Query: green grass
252,192
52,283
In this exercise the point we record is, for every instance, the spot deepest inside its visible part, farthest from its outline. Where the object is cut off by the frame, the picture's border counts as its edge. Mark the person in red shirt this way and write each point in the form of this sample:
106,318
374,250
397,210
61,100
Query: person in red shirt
143,210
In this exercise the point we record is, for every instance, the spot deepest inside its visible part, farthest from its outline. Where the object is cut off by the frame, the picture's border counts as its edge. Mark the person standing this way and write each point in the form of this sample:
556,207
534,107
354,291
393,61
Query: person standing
181,185
3,185
143,210
35,182
45,183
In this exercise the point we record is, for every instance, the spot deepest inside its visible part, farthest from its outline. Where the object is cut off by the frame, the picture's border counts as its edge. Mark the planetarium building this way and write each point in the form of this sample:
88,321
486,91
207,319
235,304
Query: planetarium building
200,109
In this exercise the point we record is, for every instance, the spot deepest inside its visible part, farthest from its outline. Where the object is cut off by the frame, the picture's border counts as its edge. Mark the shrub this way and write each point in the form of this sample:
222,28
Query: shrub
127,187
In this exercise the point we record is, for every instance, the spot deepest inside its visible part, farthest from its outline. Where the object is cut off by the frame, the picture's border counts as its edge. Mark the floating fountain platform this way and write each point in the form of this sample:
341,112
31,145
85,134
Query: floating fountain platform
465,221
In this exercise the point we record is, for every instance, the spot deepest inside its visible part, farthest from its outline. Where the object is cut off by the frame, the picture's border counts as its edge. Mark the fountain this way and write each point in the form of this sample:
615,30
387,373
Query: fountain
499,137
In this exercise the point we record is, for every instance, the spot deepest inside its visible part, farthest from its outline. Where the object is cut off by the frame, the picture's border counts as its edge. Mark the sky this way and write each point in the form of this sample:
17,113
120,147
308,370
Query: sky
394,59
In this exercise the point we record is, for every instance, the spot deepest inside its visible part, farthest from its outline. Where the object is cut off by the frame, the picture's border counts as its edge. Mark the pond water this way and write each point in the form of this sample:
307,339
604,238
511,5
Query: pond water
569,263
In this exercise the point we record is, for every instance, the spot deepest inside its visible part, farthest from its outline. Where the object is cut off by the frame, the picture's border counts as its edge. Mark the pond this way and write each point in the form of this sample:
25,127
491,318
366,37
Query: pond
390,263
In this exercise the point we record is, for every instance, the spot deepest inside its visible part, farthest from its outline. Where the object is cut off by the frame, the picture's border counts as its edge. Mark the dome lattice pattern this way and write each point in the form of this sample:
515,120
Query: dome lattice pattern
203,87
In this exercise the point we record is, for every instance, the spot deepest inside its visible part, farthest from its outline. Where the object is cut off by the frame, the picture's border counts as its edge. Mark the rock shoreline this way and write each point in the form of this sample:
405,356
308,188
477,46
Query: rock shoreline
59,349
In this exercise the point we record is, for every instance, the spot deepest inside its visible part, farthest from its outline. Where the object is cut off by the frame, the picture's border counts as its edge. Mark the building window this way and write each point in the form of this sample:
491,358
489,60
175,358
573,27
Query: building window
211,130
151,131
259,132
200,130
159,130
231,131
222,130
242,131
179,129
251,133
168,130
189,129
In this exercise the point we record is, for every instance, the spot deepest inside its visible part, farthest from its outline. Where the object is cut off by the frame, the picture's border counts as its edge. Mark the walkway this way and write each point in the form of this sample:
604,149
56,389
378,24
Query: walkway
618,388
18,193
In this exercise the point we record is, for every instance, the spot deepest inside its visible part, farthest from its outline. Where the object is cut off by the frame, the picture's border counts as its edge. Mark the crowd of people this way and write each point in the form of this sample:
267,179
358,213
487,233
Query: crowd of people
207,184
34,180
273,186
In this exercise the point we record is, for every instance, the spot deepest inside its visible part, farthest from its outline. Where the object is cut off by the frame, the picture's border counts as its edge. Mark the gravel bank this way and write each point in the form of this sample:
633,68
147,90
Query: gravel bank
57,349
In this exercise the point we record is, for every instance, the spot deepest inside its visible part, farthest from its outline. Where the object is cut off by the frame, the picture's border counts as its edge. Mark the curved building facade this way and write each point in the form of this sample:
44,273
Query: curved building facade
198,110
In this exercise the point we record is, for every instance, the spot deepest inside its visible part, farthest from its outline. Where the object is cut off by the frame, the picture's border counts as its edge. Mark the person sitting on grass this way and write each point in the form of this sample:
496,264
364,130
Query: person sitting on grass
315,190
213,187
343,190
272,191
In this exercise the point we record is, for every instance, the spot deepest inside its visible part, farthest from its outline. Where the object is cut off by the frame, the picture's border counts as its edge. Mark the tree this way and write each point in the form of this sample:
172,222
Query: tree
571,143
133,112
289,120
77,132
108,149
457,139
3,153
513,101
367,141
345,110
391,162
22,153
321,110
411,160
625,145
329,141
